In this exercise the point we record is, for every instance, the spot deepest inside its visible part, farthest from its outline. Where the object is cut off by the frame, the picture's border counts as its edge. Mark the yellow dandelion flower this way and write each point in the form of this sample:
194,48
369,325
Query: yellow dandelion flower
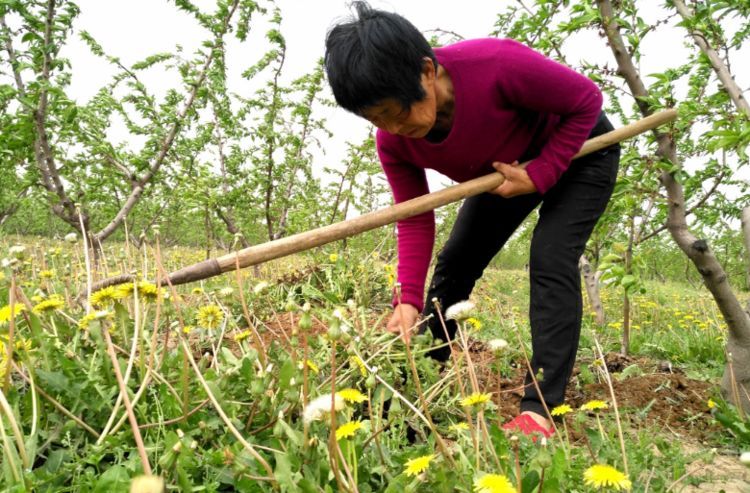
493,483
148,292
711,404
53,304
37,299
5,312
333,257
197,291
462,426
312,366
475,399
187,329
124,291
242,335
209,316
602,475
355,360
46,274
475,323
352,395
23,344
561,410
85,322
418,465
594,405
347,430
104,296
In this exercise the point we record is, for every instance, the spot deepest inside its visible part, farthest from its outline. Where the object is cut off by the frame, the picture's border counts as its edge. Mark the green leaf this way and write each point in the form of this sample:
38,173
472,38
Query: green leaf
114,479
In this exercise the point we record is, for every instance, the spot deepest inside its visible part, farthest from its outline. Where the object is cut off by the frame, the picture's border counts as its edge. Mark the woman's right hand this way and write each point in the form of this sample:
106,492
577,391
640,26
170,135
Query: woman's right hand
403,319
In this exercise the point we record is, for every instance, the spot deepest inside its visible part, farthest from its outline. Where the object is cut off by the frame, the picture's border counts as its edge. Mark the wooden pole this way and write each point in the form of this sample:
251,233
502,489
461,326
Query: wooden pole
264,252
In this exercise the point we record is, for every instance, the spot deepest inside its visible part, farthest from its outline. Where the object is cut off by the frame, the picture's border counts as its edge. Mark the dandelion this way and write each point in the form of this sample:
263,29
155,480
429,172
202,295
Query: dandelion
333,258
561,410
497,345
745,458
312,366
711,404
602,475
187,329
104,296
23,344
320,406
459,311
418,465
53,304
147,484
17,251
260,287
242,335
458,427
5,312
85,322
197,291
347,430
209,316
352,395
226,292
493,483
123,291
71,238
148,291
594,406
355,360
475,399
46,274
475,323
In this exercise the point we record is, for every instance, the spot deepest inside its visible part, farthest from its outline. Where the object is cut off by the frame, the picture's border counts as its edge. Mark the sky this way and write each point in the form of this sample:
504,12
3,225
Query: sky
134,29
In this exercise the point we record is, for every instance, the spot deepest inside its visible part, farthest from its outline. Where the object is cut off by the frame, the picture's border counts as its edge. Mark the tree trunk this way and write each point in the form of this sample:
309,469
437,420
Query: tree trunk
697,250
591,281
746,237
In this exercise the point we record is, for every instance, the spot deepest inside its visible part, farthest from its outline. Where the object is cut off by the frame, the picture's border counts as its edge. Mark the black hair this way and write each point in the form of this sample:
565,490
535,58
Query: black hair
375,56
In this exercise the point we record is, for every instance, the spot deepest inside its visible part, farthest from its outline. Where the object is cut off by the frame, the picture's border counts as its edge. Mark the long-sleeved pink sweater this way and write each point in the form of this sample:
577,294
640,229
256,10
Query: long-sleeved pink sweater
510,101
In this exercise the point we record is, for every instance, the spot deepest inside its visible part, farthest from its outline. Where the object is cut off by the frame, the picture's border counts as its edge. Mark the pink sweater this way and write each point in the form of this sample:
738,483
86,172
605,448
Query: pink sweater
510,101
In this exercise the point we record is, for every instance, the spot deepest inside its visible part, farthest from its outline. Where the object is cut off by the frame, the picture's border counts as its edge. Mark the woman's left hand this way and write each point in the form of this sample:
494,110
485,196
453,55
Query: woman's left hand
517,181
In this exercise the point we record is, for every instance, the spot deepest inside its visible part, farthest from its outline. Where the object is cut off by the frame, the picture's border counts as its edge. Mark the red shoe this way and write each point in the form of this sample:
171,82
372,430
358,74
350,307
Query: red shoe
526,425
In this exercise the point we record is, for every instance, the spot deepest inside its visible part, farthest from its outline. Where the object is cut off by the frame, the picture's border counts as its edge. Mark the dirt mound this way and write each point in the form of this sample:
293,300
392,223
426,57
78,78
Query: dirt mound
646,394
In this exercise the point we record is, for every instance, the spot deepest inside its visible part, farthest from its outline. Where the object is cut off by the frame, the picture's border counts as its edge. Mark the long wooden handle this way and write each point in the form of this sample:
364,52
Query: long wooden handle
264,252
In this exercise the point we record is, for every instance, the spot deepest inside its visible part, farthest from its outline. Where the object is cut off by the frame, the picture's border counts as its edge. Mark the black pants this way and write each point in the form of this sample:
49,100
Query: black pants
567,217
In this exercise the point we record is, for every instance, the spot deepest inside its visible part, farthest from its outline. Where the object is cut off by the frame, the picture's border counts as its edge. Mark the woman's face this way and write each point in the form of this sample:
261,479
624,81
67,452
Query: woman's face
413,122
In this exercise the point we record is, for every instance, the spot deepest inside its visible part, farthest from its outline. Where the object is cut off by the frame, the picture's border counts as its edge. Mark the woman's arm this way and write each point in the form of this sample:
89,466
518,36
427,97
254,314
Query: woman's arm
416,235
526,79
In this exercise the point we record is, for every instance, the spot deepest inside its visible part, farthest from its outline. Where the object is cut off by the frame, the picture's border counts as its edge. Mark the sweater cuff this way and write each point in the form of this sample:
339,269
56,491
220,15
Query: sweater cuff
410,297
542,175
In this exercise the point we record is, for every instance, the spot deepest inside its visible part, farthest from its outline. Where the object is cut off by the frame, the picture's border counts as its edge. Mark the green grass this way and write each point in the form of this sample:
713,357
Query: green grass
217,411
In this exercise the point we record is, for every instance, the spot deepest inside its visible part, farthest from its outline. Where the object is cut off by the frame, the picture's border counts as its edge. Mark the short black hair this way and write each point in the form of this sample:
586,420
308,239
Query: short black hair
375,56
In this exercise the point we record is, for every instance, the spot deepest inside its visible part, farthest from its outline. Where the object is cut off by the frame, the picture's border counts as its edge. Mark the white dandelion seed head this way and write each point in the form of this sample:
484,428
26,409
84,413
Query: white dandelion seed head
320,406
260,287
745,458
459,311
17,251
226,292
498,345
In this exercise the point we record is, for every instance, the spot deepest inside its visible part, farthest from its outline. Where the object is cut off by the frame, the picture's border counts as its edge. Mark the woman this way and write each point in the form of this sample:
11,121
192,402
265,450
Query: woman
466,110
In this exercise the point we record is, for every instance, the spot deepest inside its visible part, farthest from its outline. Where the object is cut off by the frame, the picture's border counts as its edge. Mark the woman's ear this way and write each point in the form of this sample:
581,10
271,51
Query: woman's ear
428,68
